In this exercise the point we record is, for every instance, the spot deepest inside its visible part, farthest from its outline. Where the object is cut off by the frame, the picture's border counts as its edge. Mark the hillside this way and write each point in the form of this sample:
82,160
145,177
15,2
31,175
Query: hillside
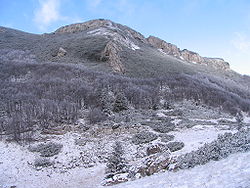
99,96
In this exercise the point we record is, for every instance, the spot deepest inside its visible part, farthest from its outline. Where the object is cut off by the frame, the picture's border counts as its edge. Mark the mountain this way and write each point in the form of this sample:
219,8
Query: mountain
99,93
105,43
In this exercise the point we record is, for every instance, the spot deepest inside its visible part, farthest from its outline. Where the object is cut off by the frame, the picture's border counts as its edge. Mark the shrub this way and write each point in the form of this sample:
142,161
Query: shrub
221,148
43,162
175,146
163,127
121,102
144,137
116,162
47,150
96,115
167,138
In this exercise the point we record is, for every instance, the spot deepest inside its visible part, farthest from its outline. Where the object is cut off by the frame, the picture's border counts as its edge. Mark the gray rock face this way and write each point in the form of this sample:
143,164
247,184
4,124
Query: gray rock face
94,25
153,164
187,55
61,52
111,53
122,36
168,48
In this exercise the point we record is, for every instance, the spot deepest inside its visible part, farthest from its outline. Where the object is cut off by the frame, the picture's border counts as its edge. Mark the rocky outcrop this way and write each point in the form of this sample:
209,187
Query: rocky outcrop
94,26
89,25
61,52
187,55
111,53
166,47
123,36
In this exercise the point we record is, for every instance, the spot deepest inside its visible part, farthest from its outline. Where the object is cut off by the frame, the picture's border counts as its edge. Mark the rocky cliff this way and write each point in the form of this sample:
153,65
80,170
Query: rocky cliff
187,55
120,36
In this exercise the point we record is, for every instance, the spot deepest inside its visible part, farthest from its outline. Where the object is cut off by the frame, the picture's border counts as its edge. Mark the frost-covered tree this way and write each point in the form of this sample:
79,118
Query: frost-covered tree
121,102
106,100
239,118
116,162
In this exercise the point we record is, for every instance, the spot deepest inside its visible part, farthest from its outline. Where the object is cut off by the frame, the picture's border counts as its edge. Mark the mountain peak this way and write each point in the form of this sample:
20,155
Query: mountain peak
92,24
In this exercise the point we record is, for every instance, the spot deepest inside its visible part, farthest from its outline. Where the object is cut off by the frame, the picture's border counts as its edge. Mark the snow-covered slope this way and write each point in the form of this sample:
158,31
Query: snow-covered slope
232,172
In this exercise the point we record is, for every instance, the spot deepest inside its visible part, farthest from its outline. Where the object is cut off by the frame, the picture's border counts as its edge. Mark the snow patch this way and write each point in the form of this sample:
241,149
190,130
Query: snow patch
196,137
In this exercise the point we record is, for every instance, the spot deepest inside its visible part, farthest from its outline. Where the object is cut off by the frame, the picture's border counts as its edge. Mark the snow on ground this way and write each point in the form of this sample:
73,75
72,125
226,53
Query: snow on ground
196,137
15,169
232,172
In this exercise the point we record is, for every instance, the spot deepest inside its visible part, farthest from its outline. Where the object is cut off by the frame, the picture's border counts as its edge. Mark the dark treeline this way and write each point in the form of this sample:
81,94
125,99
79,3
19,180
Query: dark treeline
44,95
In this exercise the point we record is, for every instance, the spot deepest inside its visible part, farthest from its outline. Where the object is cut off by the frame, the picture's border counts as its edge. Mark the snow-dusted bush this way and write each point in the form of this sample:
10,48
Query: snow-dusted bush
167,138
116,162
43,162
96,115
144,137
175,146
121,102
221,148
164,127
47,149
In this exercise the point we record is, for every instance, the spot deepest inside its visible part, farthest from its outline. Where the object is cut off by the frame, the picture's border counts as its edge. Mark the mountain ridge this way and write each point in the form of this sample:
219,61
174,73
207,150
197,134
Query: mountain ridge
109,28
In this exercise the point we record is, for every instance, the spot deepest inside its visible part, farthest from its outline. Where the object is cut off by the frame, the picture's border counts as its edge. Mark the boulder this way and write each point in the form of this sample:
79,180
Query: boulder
61,52
155,148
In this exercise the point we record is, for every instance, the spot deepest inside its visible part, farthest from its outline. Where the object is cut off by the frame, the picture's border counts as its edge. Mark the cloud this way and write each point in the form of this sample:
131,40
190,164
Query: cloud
241,42
47,13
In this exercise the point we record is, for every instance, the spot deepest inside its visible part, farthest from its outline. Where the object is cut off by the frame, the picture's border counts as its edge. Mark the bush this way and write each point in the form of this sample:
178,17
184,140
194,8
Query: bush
43,162
121,102
96,115
47,150
175,146
144,137
221,148
167,138
163,127
116,162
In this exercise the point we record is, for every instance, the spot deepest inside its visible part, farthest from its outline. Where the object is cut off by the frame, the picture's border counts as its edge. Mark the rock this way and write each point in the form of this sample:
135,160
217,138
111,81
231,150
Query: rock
118,178
116,126
168,48
153,164
175,146
61,52
144,137
155,148
187,55
111,53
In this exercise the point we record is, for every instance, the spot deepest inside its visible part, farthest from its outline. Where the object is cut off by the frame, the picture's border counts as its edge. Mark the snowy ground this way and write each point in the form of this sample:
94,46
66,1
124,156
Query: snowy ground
232,172
16,167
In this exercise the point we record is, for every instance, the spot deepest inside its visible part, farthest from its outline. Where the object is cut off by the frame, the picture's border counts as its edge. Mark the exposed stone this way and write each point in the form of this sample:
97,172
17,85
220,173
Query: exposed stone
153,164
168,48
116,179
61,52
111,53
155,148
187,55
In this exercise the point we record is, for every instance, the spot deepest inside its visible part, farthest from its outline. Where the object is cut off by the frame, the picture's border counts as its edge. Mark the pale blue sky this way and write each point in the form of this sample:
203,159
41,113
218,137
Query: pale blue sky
214,28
